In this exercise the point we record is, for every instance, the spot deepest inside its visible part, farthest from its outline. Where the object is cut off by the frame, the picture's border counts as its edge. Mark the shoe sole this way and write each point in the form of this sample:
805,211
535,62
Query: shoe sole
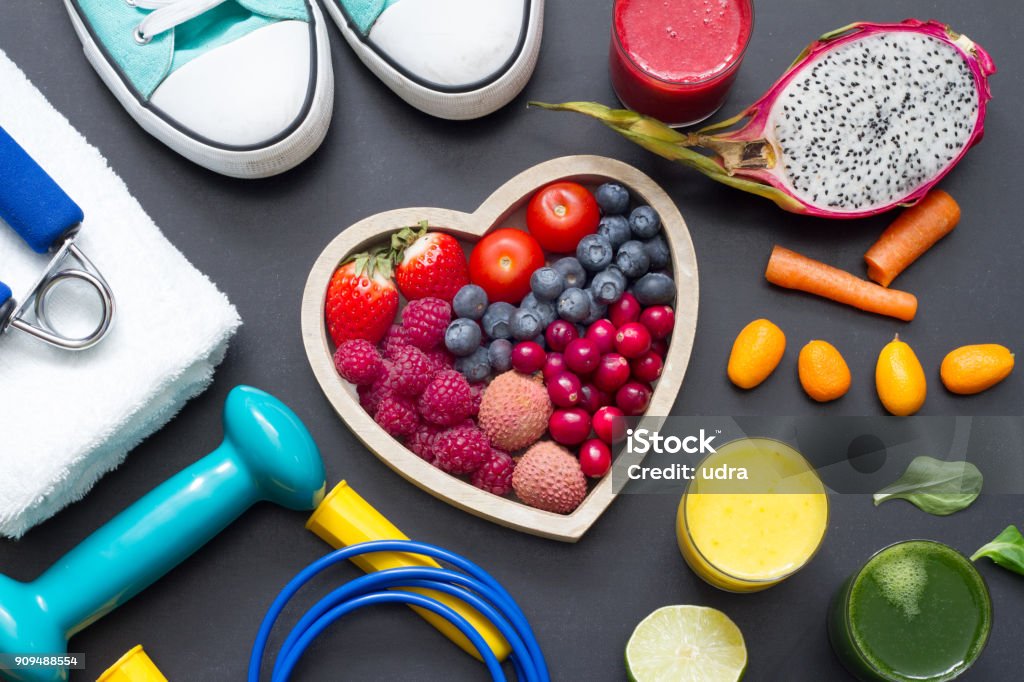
256,161
451,105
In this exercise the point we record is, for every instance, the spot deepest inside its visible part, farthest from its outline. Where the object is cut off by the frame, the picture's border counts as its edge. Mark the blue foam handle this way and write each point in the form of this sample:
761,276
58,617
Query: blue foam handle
30,201
7,305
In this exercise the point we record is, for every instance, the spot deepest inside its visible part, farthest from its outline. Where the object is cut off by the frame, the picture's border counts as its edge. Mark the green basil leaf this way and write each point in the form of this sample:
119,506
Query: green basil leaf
1007,550
935,486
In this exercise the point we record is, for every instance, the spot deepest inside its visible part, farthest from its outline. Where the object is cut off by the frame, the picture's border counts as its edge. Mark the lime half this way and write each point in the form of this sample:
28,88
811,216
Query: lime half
686,644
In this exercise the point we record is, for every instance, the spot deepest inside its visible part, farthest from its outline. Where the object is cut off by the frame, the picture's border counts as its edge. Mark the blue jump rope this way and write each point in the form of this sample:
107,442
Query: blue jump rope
470,583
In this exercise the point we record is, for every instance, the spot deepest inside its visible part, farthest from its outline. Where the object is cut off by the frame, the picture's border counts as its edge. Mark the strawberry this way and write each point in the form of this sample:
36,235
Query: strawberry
428,263
361,299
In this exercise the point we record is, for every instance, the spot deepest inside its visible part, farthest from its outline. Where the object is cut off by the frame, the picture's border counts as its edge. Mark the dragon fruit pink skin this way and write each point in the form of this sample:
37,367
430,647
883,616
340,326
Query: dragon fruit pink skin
832,159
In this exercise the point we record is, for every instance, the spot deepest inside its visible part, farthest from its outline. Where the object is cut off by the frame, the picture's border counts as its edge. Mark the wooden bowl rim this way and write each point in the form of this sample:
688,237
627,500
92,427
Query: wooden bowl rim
471,226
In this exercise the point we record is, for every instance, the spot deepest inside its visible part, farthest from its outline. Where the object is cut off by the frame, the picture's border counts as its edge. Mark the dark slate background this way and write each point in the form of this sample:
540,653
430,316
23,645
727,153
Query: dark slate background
258,239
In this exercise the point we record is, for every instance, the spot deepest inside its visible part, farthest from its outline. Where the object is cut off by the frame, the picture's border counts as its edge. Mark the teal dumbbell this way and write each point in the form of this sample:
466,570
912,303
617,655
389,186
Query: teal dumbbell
267,455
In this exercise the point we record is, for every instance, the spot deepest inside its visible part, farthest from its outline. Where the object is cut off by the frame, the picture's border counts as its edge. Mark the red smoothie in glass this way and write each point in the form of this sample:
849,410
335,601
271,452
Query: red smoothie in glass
676,59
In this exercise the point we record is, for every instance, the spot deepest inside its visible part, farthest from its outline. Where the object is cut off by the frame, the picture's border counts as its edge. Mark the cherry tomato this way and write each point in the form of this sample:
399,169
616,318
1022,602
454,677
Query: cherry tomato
562,214
501,264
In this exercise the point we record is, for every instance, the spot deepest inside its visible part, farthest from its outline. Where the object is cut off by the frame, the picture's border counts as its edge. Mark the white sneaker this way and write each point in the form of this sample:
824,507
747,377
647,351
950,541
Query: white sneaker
244,88
454,59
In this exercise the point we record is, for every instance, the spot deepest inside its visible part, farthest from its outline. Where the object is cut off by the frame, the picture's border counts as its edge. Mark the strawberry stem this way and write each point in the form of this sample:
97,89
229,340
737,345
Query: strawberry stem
372,262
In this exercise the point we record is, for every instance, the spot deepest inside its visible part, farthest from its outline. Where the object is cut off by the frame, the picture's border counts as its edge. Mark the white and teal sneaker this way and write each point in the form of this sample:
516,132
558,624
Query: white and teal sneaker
242,87
454,59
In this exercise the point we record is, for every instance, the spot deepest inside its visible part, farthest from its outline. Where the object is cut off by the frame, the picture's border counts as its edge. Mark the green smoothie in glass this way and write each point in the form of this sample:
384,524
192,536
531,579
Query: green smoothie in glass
917,611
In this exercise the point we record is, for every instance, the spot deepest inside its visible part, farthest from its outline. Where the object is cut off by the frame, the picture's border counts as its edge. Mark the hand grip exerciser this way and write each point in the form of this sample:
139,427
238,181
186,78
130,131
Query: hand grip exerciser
48,220
267,455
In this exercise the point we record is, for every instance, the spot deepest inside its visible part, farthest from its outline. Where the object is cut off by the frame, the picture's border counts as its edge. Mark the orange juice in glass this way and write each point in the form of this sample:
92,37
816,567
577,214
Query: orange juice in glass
747,535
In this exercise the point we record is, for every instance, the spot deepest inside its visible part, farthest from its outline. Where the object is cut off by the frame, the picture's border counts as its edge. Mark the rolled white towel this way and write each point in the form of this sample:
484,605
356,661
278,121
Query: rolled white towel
67,418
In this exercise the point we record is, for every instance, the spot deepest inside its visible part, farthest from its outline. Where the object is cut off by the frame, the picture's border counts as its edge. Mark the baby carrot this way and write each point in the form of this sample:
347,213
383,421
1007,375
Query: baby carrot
915,231
791,270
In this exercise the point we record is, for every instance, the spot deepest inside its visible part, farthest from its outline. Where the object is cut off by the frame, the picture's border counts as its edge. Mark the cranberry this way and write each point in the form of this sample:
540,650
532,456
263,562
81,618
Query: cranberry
592,398
528,357
625,310
582,356
647,367
595,458
633,398
564,389
633,340
660,348
553,366
559,334
569,427
611,373
659,320
609,424
602,333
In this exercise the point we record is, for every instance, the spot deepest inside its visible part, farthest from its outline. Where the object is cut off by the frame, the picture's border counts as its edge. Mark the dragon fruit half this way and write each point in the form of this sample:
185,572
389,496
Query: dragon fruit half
867,118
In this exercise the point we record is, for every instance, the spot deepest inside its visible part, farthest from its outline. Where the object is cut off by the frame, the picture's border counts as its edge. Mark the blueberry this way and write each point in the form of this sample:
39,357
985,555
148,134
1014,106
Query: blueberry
547,311
470,302
547,283
644,222
594,252
657,252
632,259
614,271
597,311
654,289
548,314
541,341
497,320
574,305
608,286
572,272
526,324
616,228
612,198
475,367
462,337
500,355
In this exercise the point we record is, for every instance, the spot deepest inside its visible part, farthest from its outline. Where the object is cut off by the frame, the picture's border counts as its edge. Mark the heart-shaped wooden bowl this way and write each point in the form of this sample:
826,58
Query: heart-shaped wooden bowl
504,208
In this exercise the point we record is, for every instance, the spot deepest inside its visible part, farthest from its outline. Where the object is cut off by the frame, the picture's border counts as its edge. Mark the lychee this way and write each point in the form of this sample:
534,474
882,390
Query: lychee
548,477
514,411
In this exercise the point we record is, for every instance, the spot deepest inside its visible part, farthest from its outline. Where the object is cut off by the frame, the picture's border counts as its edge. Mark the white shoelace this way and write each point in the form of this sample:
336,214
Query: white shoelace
168,14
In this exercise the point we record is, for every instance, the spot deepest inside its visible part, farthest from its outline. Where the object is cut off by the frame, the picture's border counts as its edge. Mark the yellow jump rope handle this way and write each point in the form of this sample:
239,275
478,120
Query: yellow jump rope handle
344,518
134,666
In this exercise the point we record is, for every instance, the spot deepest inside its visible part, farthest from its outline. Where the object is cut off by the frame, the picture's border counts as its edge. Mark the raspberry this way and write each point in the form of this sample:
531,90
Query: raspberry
411,371
371,395
358,362
397,415
495,474
441,358
477,393
425,321
393,340
421,441
461,450
447,399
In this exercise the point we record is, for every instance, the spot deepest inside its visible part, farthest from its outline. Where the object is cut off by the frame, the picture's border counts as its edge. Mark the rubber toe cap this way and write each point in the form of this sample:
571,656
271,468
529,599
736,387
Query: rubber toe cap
246,93
453,43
